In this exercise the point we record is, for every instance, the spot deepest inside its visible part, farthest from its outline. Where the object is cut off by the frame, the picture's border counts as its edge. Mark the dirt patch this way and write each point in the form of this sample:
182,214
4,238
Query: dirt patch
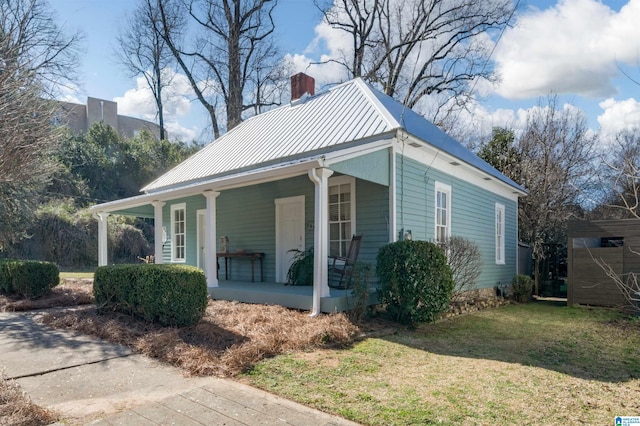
230,339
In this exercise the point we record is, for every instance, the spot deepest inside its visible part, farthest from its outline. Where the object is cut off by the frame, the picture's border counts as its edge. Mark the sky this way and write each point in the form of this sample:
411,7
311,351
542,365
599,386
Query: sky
577,49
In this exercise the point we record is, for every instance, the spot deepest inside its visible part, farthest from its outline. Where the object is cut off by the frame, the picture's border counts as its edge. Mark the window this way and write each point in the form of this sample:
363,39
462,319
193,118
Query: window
443,212
500,234
178,231
341,214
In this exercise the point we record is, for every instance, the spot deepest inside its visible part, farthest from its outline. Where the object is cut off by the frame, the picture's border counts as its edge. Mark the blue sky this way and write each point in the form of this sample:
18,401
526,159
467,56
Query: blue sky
571,47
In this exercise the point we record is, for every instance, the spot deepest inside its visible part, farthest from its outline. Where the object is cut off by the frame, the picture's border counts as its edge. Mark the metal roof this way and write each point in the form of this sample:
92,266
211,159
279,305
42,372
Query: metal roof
352,111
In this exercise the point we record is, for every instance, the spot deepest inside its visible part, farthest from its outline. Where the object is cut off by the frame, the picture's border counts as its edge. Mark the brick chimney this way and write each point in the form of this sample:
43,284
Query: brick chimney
301,84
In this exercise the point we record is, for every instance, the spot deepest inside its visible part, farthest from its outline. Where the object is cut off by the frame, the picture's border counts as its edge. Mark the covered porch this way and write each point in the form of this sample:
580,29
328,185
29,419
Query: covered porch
296,297
263,216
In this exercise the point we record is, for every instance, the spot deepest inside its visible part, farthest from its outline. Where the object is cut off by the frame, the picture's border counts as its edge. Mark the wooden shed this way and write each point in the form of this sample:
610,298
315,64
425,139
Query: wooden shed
613,242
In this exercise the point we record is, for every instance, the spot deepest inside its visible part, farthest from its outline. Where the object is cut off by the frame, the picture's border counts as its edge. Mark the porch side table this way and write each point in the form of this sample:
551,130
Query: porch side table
247,255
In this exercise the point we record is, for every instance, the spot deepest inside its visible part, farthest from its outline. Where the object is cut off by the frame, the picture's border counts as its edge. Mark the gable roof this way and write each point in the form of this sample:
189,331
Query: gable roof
346,115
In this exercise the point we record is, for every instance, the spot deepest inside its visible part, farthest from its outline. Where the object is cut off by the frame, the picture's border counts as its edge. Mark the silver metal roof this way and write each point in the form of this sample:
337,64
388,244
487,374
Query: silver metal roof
350,112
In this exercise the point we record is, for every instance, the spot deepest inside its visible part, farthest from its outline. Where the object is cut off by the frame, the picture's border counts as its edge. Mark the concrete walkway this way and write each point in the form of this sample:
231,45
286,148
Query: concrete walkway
90,381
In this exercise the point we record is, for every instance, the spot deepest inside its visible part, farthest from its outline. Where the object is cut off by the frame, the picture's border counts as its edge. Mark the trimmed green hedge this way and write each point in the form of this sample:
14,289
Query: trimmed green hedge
172,295
27,278
416,283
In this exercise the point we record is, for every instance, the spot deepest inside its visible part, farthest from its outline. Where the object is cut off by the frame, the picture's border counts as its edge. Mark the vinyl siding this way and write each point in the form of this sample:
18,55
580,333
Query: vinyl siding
247,216
372,220
472,215
373,167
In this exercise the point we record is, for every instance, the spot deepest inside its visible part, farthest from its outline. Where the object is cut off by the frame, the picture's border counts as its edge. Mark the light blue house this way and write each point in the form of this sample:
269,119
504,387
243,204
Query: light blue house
311,174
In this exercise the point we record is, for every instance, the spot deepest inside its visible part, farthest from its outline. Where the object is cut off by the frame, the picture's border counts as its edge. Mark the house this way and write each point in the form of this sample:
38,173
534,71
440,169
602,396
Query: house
595,246
79,118
311,173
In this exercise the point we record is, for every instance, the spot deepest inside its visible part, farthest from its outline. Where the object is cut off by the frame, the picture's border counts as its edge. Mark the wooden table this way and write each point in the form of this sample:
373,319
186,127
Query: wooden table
247,255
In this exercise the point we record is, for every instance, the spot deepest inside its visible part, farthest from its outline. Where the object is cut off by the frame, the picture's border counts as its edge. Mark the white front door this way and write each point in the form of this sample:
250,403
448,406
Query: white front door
202,229
289,233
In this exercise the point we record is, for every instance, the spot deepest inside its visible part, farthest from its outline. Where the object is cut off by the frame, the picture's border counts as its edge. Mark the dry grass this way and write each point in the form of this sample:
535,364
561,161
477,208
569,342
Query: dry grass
71,292
16,407
230,339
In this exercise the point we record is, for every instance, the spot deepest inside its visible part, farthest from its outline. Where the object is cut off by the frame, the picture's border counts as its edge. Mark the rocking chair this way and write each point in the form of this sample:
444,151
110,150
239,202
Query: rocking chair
341,268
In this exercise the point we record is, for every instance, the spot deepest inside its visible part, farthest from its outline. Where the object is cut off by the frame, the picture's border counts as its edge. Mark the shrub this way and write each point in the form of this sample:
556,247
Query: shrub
27,278
465,262
358,297
172,295
127,243
521,288
68,237
415,281
301,270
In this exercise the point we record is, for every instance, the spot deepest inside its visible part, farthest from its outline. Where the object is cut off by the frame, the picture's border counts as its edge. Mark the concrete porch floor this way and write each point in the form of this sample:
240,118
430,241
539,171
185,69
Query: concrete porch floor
297,297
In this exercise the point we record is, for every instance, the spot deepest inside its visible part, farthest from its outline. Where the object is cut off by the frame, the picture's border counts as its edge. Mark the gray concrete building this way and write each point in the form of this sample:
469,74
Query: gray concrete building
80,118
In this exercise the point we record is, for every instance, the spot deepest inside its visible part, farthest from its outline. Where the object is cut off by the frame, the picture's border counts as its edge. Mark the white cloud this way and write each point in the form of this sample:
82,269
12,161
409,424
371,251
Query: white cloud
619,115
573,47
139,102
69,94
176,131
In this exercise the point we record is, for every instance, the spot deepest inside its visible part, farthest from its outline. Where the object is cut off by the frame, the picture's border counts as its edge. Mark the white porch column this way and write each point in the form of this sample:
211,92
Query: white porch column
320,178
211,263
102,238
157,230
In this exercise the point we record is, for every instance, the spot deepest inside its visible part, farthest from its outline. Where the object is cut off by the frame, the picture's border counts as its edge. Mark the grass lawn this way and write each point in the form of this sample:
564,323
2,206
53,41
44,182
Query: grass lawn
537,363
77,275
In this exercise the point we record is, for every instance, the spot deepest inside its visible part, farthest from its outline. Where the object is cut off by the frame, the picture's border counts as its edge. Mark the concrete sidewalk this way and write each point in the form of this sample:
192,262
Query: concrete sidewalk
90,381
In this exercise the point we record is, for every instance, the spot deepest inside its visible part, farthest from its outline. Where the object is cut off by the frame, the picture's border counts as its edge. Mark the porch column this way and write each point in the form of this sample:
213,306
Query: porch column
157,231
320,178
211,264
102,238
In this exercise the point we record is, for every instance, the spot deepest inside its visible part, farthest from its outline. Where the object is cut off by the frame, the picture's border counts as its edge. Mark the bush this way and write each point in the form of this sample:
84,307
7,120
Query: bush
301,270
358,297
68,237
521,288
415,281
465,262
27,278
171,295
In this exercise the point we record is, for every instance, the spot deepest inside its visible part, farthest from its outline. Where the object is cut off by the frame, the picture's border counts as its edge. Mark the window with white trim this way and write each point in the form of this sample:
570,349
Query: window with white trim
442,213
342,214
500,260
178,232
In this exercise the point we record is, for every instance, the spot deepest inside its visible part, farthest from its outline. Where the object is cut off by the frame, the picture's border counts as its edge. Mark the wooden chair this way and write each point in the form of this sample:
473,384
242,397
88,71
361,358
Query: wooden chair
341,268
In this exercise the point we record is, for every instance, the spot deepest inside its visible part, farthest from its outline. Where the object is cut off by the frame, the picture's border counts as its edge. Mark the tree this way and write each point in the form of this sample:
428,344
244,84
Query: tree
142,50
100,165
622,175
502,153
553,159
228,60
622,178
417,48
35,58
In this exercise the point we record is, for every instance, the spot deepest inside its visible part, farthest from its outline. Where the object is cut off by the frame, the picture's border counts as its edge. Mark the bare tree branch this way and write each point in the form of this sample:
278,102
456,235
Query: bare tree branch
416,48
143,51
230,57
35,58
